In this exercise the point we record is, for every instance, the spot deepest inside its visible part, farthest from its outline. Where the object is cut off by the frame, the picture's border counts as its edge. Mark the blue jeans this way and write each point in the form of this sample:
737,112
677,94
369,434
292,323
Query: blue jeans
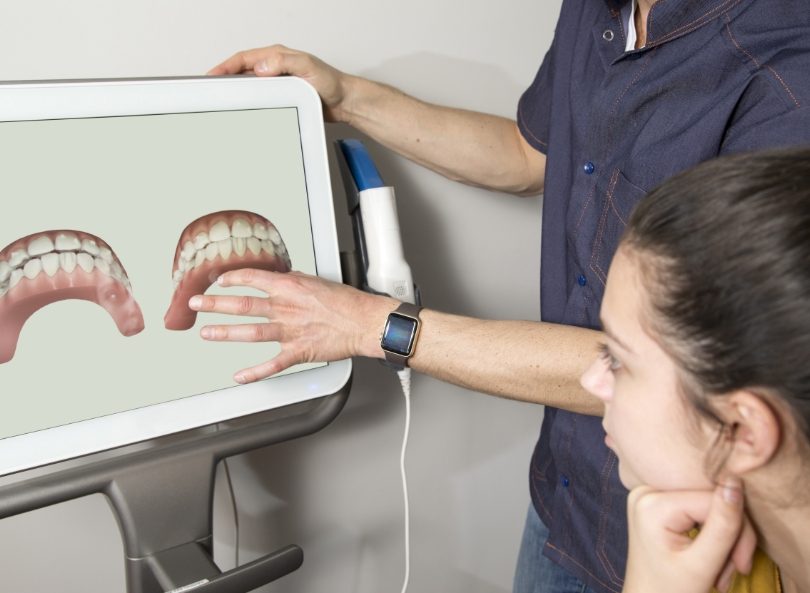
537,574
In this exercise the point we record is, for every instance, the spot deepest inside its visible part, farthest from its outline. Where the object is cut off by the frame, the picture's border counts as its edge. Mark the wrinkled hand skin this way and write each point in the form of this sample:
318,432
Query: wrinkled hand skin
314,320
665,559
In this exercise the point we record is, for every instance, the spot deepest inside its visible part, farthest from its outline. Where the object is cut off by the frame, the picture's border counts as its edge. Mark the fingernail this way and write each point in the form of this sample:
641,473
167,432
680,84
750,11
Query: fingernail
732,490
240,378
206,332
260,67
221,280
195,302
724,582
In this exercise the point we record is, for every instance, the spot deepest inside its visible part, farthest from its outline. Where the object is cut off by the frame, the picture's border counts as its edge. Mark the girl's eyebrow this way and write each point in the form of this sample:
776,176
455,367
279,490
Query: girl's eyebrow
613,336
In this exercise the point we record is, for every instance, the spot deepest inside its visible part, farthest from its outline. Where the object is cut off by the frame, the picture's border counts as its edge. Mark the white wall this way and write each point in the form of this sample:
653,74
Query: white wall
337,493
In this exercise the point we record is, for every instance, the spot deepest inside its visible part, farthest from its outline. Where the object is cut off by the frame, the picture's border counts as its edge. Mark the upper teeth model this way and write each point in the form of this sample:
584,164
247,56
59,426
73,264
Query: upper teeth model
217,243
56,265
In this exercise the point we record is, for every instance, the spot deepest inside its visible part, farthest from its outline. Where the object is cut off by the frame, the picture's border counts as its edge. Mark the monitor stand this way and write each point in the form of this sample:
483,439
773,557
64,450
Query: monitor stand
162,498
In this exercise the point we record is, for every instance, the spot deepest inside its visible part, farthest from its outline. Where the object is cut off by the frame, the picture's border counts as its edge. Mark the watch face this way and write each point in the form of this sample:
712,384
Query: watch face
398,334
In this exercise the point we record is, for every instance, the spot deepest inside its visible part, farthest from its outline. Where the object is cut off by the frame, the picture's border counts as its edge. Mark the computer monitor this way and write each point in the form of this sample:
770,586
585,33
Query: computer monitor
122,198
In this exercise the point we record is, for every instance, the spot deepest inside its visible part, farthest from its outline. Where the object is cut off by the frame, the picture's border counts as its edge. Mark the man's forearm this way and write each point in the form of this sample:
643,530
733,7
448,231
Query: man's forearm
474,148
524,360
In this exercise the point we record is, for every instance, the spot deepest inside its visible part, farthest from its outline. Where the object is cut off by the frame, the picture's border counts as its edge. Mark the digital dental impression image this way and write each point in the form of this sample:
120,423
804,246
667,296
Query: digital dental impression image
216,243
56,265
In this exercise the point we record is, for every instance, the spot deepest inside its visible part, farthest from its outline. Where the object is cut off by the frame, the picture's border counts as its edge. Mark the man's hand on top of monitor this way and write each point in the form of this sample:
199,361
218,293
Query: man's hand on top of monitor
277,60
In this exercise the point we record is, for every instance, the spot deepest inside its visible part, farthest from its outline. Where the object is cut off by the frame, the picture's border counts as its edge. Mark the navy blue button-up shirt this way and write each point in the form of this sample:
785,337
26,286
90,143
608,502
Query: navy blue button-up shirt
716,77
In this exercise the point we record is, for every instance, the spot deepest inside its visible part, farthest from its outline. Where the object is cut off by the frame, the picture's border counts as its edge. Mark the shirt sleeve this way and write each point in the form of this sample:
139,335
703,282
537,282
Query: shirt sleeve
534,107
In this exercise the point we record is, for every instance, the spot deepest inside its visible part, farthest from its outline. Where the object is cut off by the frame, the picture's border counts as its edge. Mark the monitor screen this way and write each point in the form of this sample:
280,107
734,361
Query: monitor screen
113,220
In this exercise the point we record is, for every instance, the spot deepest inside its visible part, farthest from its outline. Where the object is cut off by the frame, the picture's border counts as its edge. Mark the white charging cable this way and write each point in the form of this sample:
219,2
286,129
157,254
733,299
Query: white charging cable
405,380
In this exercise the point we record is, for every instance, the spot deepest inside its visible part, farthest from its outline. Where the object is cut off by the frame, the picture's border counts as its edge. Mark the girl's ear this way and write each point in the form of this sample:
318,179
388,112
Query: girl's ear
758,432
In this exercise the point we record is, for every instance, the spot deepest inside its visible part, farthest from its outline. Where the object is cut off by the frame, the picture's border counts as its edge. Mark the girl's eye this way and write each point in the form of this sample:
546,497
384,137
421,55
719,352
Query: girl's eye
605,356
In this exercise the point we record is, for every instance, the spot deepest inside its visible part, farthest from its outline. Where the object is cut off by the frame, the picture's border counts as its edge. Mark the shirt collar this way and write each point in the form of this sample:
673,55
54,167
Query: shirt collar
670,19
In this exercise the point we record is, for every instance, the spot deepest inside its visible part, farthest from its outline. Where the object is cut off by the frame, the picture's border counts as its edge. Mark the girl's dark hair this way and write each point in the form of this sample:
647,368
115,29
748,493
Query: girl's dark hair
725,252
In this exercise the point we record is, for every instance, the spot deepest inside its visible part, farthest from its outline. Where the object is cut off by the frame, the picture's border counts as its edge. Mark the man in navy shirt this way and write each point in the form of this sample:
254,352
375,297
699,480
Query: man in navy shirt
628,95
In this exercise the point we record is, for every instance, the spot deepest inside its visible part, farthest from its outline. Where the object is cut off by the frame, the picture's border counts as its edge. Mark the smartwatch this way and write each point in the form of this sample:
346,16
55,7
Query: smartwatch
398,339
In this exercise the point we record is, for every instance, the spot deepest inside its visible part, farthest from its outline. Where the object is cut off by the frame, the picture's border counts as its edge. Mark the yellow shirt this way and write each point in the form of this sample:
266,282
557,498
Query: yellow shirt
764,577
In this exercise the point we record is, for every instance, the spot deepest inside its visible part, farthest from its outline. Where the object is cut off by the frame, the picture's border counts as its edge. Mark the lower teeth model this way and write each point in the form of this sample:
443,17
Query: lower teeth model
52,266
218,243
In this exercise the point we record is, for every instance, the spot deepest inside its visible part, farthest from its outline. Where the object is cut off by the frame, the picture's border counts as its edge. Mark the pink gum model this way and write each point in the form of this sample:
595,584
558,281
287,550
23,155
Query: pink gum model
216,243
52,266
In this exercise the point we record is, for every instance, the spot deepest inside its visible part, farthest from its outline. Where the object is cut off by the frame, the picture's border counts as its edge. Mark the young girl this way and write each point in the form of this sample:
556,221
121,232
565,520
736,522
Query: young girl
705,376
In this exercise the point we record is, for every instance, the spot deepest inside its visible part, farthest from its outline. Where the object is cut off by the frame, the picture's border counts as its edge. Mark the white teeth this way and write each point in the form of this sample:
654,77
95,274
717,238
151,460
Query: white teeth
102,265
90,247
260,231
225,247
188,251
67,242
5,271
17,258
241,229
254,245
85,262
68,261
178,275
219,231
201,240
117,272
3,290
106,255
32,268
222,241
40,246
15,277
50,263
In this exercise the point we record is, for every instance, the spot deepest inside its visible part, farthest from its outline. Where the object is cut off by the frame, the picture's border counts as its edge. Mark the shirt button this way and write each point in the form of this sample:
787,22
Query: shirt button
582,280
564,481
589,168
607,35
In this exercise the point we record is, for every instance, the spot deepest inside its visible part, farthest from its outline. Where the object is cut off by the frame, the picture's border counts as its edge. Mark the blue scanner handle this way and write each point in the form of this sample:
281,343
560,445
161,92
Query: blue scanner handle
363,170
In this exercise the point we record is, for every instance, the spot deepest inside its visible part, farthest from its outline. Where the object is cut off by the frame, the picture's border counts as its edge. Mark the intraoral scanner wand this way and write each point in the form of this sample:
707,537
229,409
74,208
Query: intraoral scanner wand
373,208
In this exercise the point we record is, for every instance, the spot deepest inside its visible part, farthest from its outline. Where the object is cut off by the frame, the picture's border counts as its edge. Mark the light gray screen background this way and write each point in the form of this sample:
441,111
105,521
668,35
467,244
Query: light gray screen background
136,182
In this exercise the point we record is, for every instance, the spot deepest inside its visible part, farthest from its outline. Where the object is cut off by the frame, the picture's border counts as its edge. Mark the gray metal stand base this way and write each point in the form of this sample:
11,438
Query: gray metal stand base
162,497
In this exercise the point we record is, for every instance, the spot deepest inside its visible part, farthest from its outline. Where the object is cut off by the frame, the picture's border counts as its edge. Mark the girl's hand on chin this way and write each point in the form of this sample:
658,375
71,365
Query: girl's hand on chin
665,557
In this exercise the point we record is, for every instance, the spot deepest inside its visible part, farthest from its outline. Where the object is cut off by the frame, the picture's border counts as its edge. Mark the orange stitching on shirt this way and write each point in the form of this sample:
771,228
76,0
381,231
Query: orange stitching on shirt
618,214
539,499
600,273
632,82
760,66
584,569
603,221
585,207
610,463
527,130
689,26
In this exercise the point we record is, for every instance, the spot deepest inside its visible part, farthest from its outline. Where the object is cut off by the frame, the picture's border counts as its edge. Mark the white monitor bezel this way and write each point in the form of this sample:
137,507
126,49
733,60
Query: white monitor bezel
46,100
